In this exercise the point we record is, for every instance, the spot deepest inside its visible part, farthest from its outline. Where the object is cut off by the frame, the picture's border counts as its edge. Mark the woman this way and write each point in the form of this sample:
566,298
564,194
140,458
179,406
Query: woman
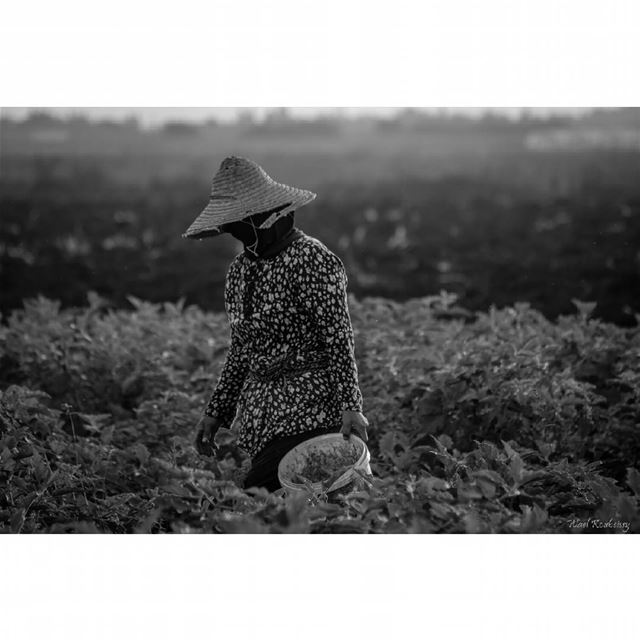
290,371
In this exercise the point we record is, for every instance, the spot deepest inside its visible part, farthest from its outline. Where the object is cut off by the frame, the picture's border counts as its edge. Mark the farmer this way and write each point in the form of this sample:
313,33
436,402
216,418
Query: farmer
290,370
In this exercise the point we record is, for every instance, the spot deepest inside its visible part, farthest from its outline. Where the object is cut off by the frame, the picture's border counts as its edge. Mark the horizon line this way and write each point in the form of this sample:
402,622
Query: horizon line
159,116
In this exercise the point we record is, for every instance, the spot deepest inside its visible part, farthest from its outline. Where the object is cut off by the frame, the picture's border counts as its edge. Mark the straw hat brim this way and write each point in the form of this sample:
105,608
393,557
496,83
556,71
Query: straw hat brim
223,210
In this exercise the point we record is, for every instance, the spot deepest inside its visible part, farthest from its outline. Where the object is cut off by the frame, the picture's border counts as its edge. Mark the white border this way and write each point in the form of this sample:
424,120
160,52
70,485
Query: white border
318,587
463,53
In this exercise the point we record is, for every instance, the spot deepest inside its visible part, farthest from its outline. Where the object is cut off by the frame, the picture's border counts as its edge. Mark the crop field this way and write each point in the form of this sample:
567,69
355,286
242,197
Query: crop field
506,423
493,286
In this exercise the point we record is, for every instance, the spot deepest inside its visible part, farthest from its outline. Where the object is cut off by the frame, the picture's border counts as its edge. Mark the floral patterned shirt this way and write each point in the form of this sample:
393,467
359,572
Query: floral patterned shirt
291,308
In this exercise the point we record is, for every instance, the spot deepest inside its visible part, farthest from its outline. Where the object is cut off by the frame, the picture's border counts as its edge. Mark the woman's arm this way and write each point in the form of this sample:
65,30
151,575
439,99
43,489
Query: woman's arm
225,395
234,372
323,291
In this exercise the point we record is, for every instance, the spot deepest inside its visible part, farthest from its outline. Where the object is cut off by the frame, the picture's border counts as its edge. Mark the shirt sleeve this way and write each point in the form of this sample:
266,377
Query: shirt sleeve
323,291
225,395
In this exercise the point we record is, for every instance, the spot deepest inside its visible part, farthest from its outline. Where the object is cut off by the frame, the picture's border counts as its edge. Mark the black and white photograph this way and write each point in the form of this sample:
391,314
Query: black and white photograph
319,320
359,320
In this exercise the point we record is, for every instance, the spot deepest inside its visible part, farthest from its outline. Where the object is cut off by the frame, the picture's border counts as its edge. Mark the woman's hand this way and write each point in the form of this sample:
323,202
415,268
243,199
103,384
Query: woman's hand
354,421
207,428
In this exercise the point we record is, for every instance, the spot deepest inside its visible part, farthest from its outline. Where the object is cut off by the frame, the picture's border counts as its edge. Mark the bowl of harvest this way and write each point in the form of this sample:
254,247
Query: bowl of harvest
324,464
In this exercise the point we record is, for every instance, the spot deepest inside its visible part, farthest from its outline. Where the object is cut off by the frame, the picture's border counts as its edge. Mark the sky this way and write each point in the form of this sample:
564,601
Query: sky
152,116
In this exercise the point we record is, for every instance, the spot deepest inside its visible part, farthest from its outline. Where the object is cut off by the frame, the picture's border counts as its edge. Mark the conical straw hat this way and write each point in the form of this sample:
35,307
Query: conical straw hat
240,189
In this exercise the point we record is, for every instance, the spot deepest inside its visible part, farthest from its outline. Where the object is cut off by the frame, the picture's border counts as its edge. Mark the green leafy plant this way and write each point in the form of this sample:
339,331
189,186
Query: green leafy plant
506,422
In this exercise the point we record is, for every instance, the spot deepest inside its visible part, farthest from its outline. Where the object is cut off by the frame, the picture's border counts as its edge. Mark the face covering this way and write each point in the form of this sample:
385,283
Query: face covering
261,243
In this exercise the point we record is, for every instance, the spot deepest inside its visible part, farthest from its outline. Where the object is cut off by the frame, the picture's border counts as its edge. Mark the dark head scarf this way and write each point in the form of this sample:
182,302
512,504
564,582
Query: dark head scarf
264,243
